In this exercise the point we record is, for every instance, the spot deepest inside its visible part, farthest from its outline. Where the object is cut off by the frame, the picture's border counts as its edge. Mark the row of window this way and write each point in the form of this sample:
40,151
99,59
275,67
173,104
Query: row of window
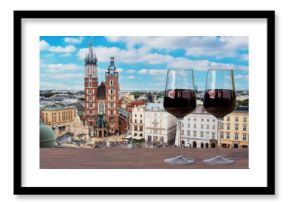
112,112
61,116
111,105
155,114
236,118
152,131
228,127
140,128
201,126
110,92
208,134
140,121
213,120
90,91
236,136
202,119
139,115
155,138
112,98
91,105
90,70
202,134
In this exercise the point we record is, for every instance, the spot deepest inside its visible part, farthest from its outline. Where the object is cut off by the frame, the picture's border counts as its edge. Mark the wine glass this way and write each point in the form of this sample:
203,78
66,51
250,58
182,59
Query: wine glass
219,100
179,101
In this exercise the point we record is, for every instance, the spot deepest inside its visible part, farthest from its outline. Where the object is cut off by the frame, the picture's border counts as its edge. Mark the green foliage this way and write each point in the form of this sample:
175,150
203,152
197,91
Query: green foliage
160,94
138,140
49,94
243,102
137,94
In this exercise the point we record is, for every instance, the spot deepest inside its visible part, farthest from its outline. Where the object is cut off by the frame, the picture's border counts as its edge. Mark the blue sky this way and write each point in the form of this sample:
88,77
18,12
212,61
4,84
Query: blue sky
141,60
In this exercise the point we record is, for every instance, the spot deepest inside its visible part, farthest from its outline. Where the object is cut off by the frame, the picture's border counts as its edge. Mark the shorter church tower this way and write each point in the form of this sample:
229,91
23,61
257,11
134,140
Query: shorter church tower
112,98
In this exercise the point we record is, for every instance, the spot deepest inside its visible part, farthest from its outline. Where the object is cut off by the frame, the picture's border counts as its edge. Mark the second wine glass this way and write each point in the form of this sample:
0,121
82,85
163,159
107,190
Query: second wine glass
179,101
219,100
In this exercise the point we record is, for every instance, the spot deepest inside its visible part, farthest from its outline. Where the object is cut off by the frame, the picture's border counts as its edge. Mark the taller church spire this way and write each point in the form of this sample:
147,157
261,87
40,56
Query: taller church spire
91,56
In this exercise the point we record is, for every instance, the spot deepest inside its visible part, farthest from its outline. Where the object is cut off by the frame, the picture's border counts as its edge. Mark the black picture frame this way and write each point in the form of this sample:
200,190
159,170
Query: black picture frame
19,189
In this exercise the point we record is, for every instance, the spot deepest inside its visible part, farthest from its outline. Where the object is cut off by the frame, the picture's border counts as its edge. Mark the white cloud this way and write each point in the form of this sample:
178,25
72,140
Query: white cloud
43,45
60,86
131,77
66,55
218,47
60,49
50,55
133,55
238,77
160,78
120,70
73,40
244,57
235,42
60,67
143,71
157,71
102,70
241,76
66,75
239,67
162,42
152,71
131,71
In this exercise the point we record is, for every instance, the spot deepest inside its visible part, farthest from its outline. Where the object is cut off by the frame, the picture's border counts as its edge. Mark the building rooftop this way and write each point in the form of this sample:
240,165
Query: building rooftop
130,105
155,107
124,112
242,109
57,106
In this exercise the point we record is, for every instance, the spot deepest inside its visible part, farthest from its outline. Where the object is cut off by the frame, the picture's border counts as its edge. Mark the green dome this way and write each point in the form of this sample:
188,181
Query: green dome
47,137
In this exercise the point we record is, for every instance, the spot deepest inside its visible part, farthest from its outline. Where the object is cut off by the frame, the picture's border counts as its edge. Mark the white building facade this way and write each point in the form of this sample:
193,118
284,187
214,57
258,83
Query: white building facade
137,121
199,130
160,126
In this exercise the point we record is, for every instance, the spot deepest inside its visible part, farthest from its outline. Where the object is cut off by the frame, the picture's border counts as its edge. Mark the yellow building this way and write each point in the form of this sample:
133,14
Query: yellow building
57,114
235,129
64,120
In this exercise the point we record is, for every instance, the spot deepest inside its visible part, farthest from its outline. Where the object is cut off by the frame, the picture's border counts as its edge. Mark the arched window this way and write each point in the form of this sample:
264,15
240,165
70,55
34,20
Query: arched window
111,82
101,107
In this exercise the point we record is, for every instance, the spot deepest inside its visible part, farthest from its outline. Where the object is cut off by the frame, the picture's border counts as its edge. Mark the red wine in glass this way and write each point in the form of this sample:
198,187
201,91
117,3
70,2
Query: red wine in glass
179,102
219,102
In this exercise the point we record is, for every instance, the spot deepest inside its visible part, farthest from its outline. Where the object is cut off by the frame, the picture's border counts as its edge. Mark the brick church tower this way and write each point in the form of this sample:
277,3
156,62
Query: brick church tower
112,98
91,87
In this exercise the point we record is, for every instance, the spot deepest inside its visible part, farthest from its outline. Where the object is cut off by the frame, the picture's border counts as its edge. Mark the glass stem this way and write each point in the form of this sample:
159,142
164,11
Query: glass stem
219,127
178,135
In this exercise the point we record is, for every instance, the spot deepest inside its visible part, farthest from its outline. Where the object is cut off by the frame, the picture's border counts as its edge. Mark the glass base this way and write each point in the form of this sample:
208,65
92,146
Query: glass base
218,160
179,160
